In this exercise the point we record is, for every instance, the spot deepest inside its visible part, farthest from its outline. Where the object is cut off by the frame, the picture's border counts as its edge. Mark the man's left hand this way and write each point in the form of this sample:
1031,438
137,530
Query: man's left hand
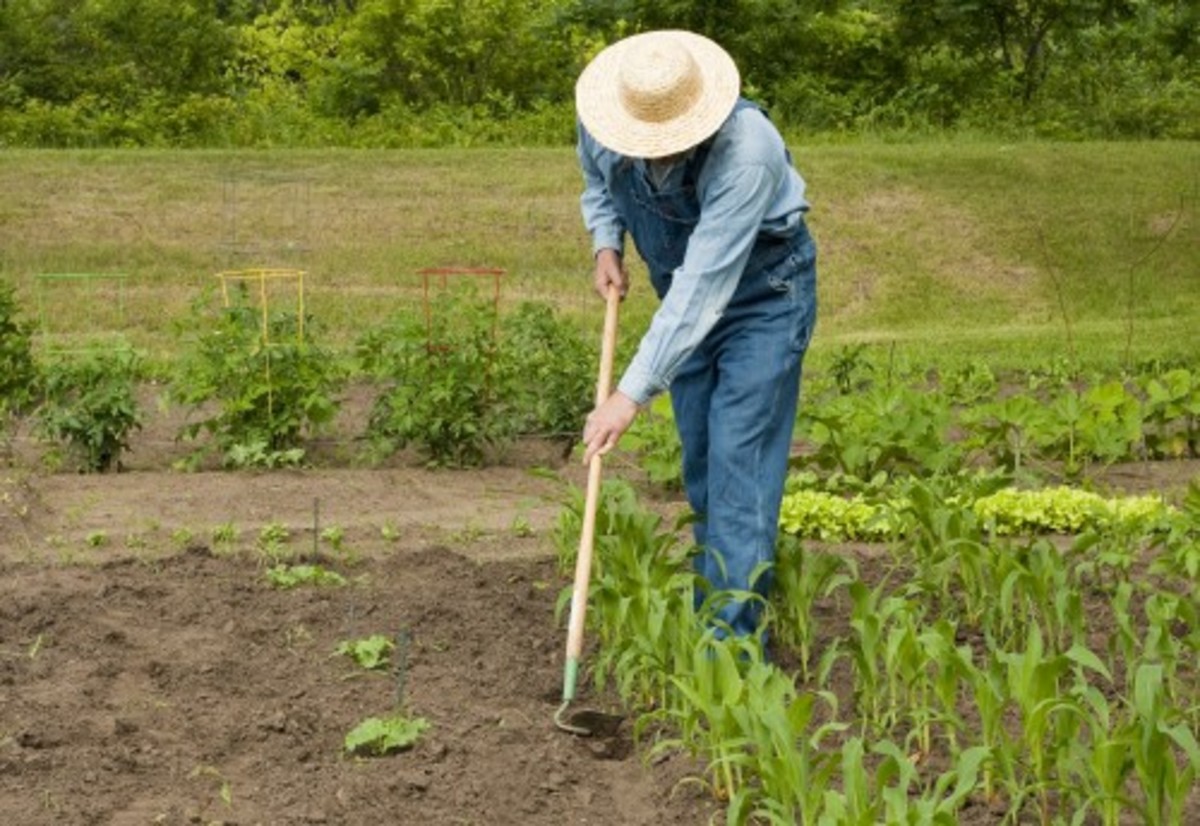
606,423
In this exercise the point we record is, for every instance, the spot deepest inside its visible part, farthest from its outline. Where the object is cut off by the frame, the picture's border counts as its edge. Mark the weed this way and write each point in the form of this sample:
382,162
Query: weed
521,527
182,537
334,536
224,535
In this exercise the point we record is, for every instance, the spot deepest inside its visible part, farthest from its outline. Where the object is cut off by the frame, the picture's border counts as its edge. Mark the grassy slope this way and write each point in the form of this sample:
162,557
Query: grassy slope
946,251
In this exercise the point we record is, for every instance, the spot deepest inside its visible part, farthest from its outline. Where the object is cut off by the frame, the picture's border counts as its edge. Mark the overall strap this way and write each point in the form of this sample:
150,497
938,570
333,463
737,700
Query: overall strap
696,163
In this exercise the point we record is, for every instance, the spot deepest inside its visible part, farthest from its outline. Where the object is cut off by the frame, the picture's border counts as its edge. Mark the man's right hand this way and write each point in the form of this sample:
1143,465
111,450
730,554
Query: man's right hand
610,269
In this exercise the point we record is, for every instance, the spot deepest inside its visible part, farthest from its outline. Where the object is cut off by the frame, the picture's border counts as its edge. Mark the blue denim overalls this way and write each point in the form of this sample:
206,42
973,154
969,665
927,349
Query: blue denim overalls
735,396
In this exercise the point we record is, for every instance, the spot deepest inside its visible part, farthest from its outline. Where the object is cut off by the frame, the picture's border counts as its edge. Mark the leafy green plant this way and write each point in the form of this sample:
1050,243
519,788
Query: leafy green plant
259,391
1171,414
287,577
90,408
18,372
893,429
545,371
969,385
272,539
1006,430
654,439
1101,424
335,536
378,736
372,653
1064,509
442,390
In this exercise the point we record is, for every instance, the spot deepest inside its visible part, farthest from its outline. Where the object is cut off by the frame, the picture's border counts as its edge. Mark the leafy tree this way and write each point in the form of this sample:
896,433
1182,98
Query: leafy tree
118,50
1018,36
420,53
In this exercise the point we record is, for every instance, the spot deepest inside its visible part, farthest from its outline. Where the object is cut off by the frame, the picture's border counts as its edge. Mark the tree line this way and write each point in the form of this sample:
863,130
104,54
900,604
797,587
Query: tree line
454,72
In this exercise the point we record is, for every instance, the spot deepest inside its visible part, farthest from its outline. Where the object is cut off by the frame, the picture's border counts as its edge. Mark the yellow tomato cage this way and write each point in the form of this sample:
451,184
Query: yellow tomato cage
261,277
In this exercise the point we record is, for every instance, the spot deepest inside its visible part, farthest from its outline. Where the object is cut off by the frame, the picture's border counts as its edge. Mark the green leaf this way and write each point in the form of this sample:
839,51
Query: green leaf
371,653
380,736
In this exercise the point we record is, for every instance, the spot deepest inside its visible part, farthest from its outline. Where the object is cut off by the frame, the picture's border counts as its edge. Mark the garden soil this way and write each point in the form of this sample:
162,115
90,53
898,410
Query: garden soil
153,678
150,674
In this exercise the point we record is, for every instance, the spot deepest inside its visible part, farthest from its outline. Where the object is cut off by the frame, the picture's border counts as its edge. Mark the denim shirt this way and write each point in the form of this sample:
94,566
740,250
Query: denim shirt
696,231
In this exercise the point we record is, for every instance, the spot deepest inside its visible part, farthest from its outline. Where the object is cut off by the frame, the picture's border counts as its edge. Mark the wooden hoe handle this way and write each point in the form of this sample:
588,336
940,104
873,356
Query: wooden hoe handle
587,536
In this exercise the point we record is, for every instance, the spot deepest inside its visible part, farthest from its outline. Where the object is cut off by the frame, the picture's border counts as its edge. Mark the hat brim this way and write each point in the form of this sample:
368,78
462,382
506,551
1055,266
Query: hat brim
598,102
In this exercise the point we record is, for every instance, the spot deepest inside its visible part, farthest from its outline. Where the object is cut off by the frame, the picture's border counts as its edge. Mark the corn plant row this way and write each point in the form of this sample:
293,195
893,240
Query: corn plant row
979,671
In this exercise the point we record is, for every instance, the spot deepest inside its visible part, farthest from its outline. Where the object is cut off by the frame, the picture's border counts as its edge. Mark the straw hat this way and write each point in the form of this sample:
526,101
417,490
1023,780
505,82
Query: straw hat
658,93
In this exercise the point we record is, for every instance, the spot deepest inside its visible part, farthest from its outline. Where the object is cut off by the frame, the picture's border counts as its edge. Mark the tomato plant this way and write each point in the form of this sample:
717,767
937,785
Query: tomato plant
89,408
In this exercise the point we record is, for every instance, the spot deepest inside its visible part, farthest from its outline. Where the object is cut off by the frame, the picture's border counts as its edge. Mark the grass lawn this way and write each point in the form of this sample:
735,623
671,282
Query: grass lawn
936,252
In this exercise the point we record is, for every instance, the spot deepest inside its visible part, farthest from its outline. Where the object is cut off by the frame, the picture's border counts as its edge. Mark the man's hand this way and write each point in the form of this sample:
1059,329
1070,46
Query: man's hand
610,269
606,423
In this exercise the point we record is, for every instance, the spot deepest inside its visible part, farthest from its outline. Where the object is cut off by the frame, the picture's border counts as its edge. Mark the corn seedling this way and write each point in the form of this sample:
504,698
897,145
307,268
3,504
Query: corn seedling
906,799
853,805
1107,763
793,765
871,618
712,688
1160,739
803,577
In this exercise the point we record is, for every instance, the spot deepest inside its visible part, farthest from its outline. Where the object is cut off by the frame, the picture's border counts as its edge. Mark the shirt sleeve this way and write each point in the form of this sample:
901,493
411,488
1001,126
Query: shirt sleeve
736,189
599,213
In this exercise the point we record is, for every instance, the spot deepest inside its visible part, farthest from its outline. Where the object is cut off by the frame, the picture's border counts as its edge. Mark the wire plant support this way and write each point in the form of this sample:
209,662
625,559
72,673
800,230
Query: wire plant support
259,279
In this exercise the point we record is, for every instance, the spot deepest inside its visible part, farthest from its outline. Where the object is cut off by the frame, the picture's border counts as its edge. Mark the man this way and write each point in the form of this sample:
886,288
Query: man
703,183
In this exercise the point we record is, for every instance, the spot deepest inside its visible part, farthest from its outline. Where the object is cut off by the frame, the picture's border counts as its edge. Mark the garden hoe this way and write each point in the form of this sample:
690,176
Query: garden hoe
585,722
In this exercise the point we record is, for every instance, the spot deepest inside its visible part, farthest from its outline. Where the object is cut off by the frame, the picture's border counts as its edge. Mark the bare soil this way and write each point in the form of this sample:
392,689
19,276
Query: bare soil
150,674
